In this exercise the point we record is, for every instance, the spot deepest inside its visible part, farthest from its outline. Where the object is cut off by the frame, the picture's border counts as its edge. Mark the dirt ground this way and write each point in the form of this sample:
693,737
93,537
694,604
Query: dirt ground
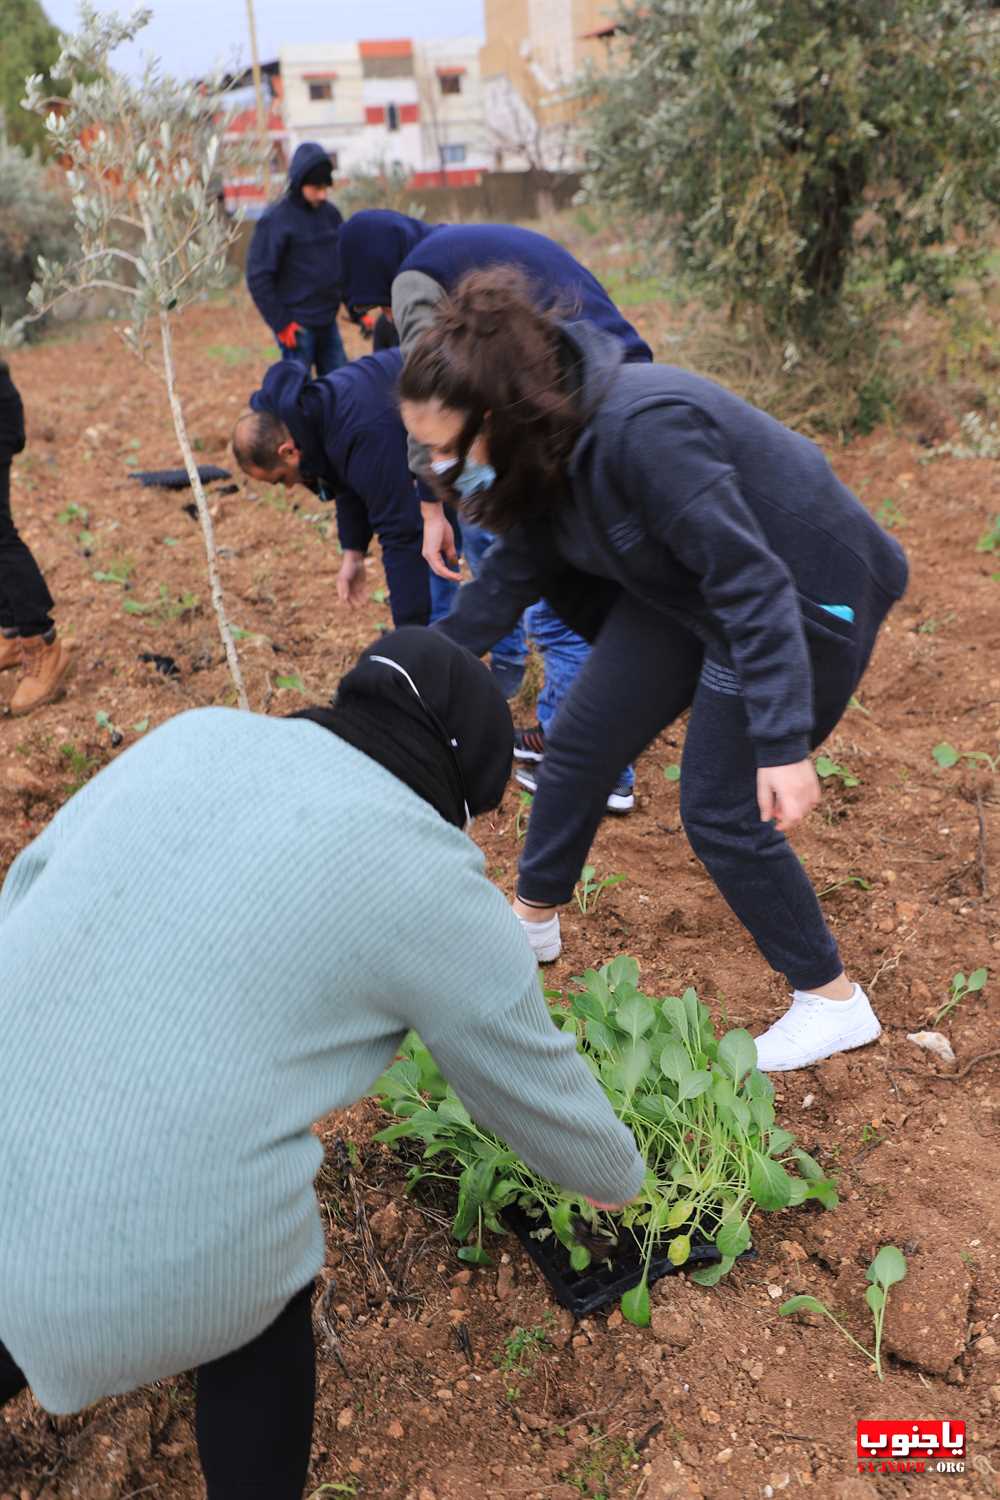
720,1398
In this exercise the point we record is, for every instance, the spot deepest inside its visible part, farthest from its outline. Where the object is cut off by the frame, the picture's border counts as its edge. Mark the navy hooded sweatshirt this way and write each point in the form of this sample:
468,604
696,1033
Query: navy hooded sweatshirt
377,246
352,440
292,264
708,510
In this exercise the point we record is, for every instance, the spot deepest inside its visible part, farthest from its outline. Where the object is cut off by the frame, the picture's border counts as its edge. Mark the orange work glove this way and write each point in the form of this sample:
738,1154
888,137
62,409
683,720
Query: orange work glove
289,335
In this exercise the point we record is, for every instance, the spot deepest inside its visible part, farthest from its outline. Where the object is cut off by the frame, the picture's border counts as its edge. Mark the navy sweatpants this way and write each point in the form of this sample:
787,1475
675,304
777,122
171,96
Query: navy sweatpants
643,671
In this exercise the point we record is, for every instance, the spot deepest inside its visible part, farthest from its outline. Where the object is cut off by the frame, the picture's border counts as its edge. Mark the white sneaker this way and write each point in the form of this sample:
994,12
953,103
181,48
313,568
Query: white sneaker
813,1028
544,938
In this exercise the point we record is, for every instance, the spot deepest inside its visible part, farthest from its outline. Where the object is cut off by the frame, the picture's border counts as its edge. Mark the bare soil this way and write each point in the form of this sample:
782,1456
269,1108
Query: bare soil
720,1398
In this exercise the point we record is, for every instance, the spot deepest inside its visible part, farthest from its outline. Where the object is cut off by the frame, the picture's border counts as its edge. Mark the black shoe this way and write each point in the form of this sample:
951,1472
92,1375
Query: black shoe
529,744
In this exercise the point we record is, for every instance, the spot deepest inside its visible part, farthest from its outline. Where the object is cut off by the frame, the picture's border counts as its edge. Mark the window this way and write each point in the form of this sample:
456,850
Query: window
451,83
320,89
452,153
391,117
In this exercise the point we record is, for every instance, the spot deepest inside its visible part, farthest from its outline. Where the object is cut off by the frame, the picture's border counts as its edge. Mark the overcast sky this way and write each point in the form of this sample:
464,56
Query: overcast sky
190,36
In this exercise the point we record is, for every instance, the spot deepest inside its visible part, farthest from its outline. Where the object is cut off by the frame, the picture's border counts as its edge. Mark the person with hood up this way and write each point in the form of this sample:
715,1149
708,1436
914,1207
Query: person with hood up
342,437
172,1029
407,266
292,265
718,565
28,639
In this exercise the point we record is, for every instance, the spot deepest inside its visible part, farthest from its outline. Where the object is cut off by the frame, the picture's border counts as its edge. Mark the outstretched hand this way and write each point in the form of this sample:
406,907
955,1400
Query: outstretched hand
786,793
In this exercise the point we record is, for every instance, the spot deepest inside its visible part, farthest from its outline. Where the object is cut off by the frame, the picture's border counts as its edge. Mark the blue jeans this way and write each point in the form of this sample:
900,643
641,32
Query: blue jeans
322,347
563,651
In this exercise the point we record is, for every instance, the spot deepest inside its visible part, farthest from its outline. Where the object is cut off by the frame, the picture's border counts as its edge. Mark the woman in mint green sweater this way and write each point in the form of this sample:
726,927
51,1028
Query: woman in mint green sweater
220,939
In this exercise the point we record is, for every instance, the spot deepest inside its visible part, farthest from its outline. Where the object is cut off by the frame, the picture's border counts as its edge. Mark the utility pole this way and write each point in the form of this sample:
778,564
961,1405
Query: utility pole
258,86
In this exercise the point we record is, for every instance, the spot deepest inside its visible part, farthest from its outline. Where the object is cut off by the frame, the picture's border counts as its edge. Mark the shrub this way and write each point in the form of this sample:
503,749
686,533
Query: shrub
35,219
774,145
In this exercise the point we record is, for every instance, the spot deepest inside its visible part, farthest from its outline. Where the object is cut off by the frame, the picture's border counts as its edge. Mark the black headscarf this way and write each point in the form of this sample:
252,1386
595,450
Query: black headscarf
431,713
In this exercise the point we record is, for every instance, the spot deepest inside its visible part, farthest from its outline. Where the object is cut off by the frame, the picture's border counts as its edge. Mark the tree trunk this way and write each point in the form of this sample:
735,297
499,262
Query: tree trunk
177,412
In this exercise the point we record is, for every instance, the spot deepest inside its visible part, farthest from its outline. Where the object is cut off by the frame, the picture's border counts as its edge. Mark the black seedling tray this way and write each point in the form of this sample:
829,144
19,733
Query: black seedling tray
603,1282
177,479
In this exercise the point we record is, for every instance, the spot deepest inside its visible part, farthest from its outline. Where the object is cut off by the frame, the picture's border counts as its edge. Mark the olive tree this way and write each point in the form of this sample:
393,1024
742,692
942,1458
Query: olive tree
776,145
143,158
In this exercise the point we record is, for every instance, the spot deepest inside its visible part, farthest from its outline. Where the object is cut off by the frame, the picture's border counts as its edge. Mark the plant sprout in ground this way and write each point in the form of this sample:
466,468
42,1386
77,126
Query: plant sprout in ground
888,1267
827,769
588,888
701,1113
947,756
960,987
525,802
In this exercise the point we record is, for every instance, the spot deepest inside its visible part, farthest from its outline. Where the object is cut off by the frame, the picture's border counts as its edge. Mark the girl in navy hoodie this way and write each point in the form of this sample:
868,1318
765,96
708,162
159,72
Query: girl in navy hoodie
715,561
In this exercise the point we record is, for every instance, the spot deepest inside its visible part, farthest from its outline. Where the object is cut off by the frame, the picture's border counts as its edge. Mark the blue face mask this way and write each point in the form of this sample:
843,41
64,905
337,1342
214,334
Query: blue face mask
473,478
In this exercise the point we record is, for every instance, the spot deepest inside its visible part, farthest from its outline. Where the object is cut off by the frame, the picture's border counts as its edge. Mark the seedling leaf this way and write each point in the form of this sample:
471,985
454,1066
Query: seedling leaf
770,1184
946,755
635,1305
801,1304
888,1267
737,1053
474,1255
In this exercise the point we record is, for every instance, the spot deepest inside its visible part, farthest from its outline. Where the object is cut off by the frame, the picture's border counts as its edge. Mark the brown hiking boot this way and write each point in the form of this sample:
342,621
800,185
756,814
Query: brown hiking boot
45,666
10,652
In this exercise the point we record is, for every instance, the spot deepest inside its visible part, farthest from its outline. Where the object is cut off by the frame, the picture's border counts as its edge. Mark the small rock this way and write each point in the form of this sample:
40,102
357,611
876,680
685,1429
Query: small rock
615,1319
774,1292
534,1421
395,1430
807,1103
987,1347
835,1076
671,1327
792,1250
505,1280
345,1419
933,1041
724,1455
709,1417
386,1224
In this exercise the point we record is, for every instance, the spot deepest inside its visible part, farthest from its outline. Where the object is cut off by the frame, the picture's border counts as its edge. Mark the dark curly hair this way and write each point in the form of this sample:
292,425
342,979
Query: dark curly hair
492,354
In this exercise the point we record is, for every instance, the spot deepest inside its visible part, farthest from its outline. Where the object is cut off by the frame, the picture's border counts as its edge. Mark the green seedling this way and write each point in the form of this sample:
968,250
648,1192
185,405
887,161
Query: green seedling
931,627
672,773
947,756
828,770
889,515
960,987
856,880
990,539
81,766
291,684
119,571
888,1267
380,595
854,702
73,512
336,1487
605,1459
520,1350
164,607
103,721
701,1112
588,888
525,802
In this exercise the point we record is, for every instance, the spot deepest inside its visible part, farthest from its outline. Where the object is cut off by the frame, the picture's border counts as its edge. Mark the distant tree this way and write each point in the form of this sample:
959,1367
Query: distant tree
29,43
143,158
35,219
770,145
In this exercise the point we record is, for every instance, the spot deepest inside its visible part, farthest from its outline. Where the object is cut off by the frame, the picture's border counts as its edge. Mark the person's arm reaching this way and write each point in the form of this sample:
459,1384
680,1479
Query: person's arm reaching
486,609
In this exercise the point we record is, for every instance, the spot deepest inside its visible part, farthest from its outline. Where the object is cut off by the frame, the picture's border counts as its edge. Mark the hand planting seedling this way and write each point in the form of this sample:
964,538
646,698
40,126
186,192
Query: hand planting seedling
888,1267
960,987
588,888
827,769
701,1113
